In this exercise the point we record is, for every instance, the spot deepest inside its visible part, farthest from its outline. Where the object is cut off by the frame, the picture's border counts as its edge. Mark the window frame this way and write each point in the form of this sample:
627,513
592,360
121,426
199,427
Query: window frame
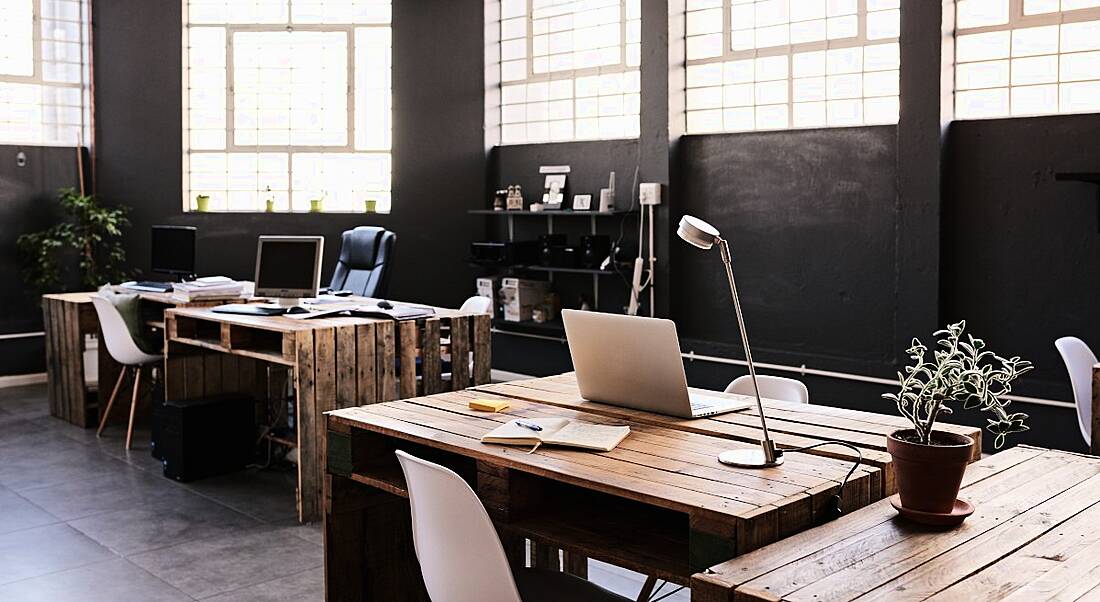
1017,20
37,75
789,50
497,123
348,29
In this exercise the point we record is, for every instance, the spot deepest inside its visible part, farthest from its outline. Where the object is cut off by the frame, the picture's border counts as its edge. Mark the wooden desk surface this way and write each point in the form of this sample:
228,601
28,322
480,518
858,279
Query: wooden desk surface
791,424
1034,536
740,509
284,324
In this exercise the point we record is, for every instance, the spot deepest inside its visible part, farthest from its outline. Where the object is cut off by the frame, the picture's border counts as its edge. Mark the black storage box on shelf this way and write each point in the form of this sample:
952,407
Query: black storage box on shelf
504,253
203,437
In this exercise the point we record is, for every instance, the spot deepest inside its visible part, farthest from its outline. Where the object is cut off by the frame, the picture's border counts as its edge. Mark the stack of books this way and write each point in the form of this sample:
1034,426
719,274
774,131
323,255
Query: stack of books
210,287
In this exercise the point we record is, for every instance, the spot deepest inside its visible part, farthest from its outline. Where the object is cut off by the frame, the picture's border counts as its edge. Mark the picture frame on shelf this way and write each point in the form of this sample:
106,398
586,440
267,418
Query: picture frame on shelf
582,202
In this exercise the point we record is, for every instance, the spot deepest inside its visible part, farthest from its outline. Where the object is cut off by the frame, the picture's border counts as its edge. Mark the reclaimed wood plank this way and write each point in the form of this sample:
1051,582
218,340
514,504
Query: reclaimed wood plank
386,350
52,386
347,392
432,365
483,349
406,358
308,446
366,364
460,353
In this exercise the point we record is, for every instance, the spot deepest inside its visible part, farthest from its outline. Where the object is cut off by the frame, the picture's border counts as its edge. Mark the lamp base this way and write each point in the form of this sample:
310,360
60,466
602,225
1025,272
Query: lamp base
748,458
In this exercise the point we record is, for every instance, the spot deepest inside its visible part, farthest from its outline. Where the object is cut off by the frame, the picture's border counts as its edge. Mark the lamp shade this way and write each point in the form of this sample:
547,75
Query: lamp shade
696,232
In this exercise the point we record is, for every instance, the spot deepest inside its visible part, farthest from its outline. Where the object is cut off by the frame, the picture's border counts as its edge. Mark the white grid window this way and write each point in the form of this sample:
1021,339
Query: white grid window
569,70
288,100
43,72
778,64
1026,57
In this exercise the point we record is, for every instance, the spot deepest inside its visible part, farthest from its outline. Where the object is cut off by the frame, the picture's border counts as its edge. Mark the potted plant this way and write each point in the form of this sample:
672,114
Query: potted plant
93,231
929,464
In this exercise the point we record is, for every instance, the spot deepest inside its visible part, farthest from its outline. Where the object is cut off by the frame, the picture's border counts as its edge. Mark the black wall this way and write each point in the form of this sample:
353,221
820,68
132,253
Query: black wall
811,223
439,157
27,204
1020,250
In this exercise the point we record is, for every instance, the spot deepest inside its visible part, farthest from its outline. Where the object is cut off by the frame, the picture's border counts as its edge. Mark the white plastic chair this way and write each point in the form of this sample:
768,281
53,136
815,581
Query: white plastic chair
460,554
771,387
477,305
121,346
1079,361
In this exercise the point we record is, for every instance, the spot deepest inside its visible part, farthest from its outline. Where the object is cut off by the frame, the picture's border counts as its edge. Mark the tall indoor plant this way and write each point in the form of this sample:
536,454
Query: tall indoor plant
929,464
90,230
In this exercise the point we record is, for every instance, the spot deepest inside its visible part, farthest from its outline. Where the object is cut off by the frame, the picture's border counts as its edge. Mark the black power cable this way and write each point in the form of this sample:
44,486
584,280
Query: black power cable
836,509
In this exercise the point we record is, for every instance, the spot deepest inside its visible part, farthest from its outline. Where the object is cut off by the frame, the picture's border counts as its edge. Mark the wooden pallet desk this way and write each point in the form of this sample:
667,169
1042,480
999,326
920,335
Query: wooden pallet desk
67,318
791,424
1033,537
660,503
333,363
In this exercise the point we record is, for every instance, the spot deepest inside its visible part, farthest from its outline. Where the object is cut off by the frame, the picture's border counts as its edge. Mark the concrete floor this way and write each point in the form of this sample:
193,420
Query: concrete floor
83,519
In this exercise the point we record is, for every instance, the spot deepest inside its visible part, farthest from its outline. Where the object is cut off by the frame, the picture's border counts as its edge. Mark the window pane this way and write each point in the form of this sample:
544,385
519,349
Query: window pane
294,92
792,63
570,67
1030,63
42,89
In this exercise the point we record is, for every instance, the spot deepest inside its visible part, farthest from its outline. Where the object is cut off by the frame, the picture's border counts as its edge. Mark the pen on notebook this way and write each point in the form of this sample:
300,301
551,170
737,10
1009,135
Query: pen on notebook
529,425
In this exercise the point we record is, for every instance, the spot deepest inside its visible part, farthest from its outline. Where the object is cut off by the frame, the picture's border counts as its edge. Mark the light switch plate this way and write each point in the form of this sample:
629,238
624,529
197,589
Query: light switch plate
649,193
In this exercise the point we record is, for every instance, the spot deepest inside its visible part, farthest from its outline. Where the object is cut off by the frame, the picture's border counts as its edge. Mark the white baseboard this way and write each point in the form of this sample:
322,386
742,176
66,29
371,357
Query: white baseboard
19,380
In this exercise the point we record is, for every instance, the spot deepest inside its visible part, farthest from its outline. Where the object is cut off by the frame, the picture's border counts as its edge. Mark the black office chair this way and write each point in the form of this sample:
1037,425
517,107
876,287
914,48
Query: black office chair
366,253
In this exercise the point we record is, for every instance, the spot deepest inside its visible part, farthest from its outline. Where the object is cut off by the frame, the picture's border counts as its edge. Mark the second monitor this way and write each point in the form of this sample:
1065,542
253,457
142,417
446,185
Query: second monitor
288,268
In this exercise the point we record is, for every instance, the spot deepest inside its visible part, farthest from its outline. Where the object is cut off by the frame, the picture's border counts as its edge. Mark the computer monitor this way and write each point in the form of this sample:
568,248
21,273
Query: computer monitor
288,268
173,250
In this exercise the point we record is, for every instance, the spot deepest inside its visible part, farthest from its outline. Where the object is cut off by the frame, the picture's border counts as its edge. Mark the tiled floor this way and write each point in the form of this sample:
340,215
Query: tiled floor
83,519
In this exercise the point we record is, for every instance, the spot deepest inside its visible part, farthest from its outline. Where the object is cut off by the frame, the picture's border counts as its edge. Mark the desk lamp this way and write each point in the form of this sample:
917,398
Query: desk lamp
700,234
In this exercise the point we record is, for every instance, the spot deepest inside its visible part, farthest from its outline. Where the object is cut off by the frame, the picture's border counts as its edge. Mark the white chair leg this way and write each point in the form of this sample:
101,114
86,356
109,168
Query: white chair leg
133,405
111,401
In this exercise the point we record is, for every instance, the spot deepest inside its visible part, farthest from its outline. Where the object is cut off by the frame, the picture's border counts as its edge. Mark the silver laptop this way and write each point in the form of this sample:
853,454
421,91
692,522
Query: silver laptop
635,362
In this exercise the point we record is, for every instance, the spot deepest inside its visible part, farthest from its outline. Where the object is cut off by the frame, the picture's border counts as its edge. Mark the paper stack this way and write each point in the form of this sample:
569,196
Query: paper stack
210,287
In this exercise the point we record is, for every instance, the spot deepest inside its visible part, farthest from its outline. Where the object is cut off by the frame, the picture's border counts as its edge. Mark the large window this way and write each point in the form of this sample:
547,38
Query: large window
1026,57
287,100
569,70
775,64
43,74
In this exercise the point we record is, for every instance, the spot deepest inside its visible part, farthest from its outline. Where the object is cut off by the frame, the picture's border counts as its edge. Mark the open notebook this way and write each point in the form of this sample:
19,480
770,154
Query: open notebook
558,431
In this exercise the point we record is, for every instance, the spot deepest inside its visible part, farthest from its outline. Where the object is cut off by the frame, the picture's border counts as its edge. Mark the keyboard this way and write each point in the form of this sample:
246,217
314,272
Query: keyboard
150,286
247,309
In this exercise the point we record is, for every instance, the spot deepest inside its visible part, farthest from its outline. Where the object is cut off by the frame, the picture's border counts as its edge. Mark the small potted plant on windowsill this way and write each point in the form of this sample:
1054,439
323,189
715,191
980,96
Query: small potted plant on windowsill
929,464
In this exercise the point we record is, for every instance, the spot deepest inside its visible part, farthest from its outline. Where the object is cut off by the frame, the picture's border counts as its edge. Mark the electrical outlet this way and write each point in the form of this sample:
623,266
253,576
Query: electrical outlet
649,193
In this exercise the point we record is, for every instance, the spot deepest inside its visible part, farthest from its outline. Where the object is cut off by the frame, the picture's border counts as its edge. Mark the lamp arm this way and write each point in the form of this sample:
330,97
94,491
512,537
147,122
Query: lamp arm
769,447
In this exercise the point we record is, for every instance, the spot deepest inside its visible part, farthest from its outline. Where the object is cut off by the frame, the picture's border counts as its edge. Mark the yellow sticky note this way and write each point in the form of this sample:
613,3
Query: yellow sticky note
489,405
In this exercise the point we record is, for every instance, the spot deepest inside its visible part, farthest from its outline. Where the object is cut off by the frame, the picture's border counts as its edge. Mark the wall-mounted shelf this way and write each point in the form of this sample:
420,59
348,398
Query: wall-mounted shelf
557,213
545,268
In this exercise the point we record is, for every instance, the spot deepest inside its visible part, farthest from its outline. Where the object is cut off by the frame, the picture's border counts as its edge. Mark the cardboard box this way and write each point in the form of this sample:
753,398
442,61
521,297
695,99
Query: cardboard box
489,286
519,296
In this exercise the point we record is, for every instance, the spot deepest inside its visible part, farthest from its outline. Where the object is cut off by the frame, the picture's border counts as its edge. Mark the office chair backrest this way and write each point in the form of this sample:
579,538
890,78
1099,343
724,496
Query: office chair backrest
366,253
771,387
116,336
477,305
458,548
1079,361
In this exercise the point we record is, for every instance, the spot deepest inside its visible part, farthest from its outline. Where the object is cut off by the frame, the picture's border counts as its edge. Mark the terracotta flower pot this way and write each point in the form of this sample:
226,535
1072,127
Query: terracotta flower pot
929,476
